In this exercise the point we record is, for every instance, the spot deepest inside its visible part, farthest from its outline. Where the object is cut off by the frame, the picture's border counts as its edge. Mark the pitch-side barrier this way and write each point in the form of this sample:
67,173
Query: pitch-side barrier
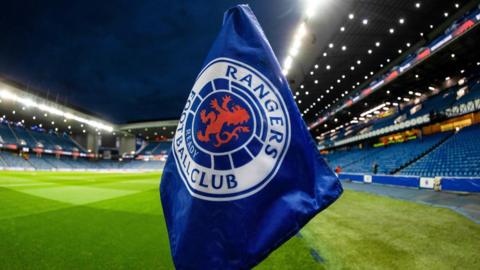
453,184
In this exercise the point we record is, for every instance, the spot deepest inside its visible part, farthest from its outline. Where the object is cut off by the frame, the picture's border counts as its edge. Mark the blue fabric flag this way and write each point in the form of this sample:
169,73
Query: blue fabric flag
244,174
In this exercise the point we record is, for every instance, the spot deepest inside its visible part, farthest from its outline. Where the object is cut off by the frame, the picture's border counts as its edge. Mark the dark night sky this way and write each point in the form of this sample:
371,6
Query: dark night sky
123,60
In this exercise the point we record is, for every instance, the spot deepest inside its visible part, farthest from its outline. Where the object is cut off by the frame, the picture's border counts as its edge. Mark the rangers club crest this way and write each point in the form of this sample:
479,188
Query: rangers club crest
233,133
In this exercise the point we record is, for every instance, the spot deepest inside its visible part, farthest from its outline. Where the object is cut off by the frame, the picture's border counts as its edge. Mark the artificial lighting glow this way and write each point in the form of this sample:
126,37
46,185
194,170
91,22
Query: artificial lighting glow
369,51
373,109
408,44
342,29
377,44
452,55
327,67
359,62
365,21
417,5
351,16
401,21
445,14
344,48
288,63
325,54
391,30
330,45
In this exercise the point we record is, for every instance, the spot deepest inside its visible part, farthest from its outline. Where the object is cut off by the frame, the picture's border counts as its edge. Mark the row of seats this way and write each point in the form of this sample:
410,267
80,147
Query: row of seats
10,134
388,159
156,148
458,156
48,162
441,154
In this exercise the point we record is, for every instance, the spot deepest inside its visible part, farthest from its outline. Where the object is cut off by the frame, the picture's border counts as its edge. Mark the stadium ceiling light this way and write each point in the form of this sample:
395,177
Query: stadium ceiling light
369,51
391,30
421,34
365,21
447,78
351,16
399,51
306,93
377,44
401,21
408,44
431,26
325,54
344,48
316,66
359,62
431,88
445,14
406,99
331,45
418,94
316,81
462,71
342,29
343,76
417,4
373,109
452,55
311,73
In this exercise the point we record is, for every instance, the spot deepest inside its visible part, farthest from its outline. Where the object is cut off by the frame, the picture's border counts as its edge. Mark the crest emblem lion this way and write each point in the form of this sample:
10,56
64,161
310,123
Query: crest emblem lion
223,115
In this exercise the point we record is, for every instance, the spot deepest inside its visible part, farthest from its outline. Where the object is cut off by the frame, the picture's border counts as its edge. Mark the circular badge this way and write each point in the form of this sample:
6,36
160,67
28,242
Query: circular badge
233,132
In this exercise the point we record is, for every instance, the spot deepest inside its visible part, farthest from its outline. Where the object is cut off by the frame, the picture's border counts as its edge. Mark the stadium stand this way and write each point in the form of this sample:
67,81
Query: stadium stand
6,134
389,158
458,156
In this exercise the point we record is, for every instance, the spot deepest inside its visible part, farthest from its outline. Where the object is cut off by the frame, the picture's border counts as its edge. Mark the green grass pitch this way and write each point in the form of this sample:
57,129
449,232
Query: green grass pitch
114,221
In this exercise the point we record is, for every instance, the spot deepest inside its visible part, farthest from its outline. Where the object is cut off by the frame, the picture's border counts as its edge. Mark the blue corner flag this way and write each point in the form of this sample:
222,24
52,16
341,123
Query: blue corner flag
244,174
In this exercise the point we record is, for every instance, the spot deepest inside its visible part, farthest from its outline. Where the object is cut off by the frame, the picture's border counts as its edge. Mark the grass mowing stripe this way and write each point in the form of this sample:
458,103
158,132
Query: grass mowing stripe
15,204
360,231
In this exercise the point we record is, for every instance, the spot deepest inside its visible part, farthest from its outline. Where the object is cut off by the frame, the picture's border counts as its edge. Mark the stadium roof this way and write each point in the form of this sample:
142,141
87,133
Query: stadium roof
352,43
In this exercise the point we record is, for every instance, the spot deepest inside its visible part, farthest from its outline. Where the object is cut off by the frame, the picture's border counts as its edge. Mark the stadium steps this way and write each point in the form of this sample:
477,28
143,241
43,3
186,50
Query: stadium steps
3,162
14,135
81,148
33,137
366,155
423,154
